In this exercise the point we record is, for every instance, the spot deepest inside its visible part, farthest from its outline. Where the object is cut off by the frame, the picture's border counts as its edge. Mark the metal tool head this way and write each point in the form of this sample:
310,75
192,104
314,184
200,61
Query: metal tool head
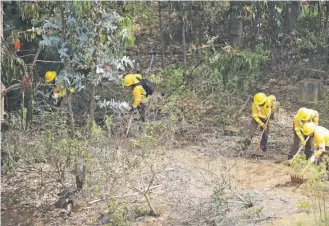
296,179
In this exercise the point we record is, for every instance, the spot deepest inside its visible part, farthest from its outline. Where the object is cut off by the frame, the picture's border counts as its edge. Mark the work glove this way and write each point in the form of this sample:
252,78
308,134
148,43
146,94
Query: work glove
264,126
317,153
303,142
132,110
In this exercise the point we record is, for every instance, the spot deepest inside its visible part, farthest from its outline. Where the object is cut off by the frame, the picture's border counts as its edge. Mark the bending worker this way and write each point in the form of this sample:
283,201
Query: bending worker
133,81
261,113
320,135
60,91
303,116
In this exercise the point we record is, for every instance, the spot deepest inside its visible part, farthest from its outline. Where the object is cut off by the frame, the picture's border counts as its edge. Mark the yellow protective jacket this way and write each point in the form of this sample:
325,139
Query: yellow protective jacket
60,90
321,138
139,95
263,112
298,124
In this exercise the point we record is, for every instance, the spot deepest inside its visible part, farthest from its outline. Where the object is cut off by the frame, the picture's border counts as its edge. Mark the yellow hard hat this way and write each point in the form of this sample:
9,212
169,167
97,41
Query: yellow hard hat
303,114
131,79
260,98
72,90
50,76
308,128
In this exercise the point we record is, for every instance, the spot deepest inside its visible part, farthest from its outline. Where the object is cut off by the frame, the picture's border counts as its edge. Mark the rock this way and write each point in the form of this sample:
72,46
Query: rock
309,90
231,131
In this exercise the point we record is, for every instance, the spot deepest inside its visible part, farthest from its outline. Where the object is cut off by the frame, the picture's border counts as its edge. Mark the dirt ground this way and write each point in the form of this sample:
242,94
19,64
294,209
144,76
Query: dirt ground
185,186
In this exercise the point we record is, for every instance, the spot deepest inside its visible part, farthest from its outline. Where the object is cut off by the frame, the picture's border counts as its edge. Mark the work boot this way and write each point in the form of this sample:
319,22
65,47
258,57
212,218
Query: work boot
264,149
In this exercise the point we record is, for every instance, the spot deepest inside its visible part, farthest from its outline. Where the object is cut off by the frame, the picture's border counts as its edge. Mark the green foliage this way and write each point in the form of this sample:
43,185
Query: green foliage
126,31
253,212
304,206
118,213
173,81
145,142
311,43
219,195
236,67
63,153
143,14
309,19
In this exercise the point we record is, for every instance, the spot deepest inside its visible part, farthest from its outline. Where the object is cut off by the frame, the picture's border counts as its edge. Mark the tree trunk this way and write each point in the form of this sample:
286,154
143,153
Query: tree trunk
257,21
183,18
272,24
161,35
71,117
31,90
327,17
235,25
92,108
2,107
2,88
320,17
1,21
291,15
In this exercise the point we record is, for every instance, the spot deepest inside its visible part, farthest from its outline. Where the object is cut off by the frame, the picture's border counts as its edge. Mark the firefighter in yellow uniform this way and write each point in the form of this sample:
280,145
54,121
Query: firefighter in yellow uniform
303,116
59,91
132,80
320,136
261,112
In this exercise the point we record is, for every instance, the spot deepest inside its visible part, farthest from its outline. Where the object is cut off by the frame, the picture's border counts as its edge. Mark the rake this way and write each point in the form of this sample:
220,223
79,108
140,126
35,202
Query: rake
298,178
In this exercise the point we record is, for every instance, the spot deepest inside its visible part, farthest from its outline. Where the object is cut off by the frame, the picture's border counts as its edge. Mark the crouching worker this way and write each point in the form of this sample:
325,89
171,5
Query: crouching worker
59,92
302,117
261,113
320,136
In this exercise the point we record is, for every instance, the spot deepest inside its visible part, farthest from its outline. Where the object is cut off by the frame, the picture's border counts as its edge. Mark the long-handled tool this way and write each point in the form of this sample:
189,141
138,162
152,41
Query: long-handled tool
291,160
129,123
298,178
257,148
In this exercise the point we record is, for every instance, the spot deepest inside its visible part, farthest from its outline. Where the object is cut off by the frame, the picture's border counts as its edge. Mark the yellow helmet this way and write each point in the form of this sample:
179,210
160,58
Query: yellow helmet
260,98
131,79
50,76
303,114
308,128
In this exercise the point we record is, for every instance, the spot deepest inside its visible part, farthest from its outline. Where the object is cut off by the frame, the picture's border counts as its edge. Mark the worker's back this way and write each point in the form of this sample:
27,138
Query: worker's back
321,135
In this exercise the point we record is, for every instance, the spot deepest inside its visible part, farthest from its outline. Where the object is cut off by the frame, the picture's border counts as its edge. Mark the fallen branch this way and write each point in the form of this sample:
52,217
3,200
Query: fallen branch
261,219
124,195
50,61
10,88
315,70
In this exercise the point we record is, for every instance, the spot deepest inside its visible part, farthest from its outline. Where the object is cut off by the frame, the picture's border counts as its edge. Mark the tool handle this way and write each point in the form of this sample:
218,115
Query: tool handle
298,151
310,162
306,167
129,123
263,129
